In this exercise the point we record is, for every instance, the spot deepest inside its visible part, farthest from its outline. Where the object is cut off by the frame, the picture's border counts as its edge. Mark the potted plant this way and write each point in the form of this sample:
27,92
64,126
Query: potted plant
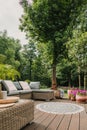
69,92
81,96
73,98
72,93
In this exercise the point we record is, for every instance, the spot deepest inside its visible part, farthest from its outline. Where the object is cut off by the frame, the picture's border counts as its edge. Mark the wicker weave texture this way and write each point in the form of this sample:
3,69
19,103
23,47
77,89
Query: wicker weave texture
25,95
44,96
17,116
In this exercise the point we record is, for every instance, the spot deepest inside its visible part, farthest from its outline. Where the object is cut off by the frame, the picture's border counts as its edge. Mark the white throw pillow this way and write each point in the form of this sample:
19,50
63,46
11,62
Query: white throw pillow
9,85
24,85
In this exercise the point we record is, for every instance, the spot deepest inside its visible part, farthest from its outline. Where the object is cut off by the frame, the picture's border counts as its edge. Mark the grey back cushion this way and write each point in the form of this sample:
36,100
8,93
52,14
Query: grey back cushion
35,85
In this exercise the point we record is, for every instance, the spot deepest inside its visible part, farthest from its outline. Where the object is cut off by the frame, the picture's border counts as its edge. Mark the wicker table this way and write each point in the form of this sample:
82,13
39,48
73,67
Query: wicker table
17,116
9,99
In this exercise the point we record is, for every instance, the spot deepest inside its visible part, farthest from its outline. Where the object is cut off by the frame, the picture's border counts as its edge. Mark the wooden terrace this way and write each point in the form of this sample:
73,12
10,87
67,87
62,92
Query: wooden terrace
47,121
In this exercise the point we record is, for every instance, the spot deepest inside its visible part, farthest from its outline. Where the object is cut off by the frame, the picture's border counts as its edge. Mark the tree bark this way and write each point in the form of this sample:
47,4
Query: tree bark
85,81
70,79
69,83
79,77
30,70
54,83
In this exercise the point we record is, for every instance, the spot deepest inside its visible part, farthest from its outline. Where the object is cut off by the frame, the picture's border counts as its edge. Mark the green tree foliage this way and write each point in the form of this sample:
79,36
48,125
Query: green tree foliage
9,57
29,54
78,52
9,50
77,45
2,58
67,73
35,65
8,72
50,22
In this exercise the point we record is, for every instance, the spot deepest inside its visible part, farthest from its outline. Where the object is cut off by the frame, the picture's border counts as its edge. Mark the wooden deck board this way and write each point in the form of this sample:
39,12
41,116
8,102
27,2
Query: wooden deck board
65,123
83,121
86,108
74,124
44,124
47,121
55,123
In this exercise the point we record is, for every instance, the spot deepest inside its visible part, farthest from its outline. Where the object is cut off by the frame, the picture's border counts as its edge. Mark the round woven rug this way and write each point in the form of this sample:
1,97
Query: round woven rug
60,108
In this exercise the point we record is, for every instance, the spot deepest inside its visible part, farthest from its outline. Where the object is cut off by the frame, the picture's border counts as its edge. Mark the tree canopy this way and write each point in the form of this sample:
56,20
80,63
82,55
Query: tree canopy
51,22
56,48
9,57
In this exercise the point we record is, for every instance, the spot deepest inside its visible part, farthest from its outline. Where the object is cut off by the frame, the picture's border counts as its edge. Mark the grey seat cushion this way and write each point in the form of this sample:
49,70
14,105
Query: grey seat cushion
42,90
19,92
12,93
25,91
35,85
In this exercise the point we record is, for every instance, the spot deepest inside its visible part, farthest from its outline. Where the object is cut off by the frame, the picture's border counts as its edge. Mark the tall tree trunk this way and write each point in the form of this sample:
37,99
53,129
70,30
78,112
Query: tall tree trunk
30,69
54,83
79,78
85,81
69,83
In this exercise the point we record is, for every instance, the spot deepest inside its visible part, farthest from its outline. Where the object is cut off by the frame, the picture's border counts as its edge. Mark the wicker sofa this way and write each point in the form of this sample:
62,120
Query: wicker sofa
26,91
15,89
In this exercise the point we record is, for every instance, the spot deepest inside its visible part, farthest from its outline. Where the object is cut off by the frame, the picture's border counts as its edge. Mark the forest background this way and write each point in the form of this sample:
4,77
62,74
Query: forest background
56,52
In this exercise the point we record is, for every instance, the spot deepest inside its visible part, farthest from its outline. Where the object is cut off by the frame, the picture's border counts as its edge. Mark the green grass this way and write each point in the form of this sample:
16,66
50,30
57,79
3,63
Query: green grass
65,95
